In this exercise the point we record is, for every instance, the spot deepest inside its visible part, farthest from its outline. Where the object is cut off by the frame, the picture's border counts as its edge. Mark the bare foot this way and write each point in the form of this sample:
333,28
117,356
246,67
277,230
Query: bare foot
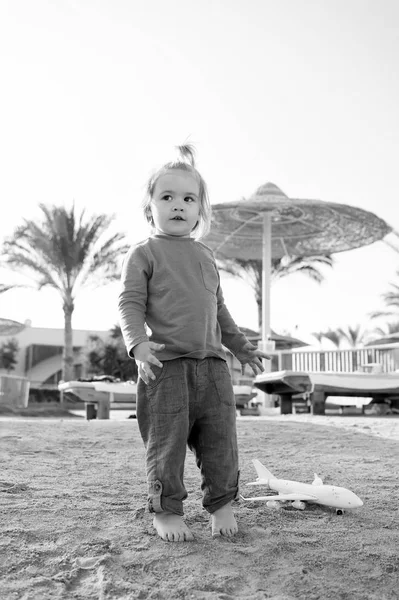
223,522
171,527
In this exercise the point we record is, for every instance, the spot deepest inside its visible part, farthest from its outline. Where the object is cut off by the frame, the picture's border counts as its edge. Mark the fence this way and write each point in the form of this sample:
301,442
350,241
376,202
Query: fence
377,358
14,391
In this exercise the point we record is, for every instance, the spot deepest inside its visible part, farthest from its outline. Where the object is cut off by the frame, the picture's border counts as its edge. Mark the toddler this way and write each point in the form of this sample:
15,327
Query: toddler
170,283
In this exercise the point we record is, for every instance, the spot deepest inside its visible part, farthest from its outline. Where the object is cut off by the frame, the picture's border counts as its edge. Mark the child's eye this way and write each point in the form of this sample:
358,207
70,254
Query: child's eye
167,197
189,198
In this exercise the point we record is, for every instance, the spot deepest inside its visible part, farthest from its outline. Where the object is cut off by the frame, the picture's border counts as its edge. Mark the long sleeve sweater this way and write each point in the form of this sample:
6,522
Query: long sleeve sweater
172,285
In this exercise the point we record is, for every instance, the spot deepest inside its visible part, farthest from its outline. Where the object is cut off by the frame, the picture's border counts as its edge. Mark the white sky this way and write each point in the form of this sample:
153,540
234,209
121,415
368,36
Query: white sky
302,93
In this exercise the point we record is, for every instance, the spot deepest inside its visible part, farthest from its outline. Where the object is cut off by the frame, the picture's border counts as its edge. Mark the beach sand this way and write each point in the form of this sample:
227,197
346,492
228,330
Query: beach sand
74,524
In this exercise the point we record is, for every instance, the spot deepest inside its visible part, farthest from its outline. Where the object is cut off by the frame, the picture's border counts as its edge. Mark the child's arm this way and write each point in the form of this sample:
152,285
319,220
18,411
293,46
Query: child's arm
240,346
250,355
132,304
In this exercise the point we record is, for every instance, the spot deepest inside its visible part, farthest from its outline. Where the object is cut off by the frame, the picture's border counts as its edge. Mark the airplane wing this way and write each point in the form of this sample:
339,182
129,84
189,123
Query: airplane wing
282,497
259,482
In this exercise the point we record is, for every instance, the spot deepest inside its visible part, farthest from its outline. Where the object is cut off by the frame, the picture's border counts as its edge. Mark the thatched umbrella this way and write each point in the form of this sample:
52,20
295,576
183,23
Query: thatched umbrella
269,224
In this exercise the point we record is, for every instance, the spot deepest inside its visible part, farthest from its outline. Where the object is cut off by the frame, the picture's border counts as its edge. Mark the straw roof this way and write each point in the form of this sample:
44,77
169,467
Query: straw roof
299,227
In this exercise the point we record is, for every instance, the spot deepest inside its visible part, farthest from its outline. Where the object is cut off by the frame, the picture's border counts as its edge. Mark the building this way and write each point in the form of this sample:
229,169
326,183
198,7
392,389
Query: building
40,353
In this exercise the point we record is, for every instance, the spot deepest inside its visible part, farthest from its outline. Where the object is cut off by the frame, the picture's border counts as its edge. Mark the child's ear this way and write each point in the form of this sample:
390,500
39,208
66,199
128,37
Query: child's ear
148,215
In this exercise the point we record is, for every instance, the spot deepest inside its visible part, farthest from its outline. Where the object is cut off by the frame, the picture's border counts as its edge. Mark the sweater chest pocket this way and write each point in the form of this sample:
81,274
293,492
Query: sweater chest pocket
210,276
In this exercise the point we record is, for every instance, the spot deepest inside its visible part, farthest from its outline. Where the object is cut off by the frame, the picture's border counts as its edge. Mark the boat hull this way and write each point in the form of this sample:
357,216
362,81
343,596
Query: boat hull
121,396
338,384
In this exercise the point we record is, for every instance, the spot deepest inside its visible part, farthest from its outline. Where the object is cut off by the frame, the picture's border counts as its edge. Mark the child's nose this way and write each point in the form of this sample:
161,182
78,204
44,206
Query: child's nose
179,204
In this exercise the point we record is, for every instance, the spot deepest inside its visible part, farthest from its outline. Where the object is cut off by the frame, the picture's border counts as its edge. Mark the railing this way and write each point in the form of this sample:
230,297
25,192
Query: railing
14,391
377,358
39,385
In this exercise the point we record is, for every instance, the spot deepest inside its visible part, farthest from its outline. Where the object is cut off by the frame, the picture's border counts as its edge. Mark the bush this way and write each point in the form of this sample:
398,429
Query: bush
8,354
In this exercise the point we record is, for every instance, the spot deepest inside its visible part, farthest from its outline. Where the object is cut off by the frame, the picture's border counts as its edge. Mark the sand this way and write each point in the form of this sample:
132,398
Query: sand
74,525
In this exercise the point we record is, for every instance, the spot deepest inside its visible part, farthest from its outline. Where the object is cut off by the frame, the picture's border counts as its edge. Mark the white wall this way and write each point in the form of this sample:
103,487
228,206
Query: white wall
48,337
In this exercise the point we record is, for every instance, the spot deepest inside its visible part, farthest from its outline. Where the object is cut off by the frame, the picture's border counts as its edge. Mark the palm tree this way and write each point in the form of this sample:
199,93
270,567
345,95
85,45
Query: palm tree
251,271
336,337
67,252
391,300
355,336
387,330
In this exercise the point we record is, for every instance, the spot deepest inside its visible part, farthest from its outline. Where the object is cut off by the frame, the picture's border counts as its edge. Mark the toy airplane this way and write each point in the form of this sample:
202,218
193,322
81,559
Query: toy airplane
299,493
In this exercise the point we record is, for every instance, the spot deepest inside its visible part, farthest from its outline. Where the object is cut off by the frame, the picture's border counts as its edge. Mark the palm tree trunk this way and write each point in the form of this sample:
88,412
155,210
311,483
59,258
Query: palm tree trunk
67,356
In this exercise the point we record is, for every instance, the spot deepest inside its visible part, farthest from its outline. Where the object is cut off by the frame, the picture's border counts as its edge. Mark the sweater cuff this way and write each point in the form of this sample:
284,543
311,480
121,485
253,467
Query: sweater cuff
136,343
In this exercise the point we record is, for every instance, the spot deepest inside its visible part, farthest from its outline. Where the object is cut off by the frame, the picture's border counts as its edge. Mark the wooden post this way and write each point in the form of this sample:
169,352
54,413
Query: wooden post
318,403
90,411
286,404
104,408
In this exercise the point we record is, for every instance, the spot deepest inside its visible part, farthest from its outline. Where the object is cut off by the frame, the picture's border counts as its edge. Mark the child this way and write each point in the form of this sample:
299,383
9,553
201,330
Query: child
170,283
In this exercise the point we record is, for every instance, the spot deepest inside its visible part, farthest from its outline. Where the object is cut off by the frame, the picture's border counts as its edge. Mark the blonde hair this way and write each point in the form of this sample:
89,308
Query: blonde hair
185,161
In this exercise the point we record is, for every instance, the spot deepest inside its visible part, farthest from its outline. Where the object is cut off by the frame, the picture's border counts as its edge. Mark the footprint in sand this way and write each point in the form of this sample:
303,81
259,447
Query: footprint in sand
12,488
89,562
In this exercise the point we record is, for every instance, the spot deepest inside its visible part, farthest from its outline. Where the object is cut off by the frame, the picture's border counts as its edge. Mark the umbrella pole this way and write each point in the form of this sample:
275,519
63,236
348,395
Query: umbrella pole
266,276
265,344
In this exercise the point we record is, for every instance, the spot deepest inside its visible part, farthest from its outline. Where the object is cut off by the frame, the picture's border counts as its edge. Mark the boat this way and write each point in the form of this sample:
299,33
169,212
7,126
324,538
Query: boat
121,394
333,383
318,385
243,394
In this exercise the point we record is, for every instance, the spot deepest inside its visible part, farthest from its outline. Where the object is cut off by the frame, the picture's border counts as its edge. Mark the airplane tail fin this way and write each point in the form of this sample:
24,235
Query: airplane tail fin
261,470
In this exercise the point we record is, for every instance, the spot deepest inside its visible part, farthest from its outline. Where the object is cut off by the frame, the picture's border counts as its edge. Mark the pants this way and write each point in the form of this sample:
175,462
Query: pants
191,402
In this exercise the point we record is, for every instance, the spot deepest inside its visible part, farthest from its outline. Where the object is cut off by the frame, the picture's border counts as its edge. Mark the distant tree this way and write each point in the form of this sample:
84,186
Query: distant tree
319,336
355,336
391,301
8,354
335,336
67,252
386,329
110,358
251,271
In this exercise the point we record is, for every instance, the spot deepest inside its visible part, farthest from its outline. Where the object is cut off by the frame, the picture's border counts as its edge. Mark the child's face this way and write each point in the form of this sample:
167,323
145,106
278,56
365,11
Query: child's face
176,194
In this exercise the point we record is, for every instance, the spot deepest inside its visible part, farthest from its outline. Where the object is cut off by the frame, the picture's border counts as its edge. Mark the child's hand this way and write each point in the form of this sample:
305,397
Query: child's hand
144,357
250,355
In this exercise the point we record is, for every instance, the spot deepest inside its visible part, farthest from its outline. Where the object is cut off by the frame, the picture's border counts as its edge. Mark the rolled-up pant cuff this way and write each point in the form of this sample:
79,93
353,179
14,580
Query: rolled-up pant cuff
158,503
220,504
232,496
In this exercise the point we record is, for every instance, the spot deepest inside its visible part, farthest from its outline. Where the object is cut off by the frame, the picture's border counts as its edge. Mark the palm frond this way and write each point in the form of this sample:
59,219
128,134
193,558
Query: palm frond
5,288
58,249
355,336
307,265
